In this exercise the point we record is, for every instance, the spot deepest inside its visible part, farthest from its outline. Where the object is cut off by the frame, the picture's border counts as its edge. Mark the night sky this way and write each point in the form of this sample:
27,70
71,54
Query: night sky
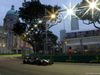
5,5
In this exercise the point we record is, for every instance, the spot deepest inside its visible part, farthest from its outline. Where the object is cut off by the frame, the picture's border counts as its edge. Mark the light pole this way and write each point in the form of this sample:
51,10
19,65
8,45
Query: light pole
46,36
81,43
92,6
69,12
51,17
45,43
64,33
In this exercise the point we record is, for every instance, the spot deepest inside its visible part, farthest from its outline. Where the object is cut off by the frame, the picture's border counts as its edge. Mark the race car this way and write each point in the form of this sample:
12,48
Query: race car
34,60
44,62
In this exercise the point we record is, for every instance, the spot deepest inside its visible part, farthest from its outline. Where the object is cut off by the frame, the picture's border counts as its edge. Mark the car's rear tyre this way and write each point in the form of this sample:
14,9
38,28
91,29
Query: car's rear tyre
45,63
24,62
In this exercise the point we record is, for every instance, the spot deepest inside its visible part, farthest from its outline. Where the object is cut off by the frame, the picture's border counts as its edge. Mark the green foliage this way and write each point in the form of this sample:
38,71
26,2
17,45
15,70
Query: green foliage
52,37
10,55
19,28
30,13
87,15
33,11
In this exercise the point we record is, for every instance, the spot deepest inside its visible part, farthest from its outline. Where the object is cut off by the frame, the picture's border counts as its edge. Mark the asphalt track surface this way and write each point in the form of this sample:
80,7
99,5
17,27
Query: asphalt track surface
13,66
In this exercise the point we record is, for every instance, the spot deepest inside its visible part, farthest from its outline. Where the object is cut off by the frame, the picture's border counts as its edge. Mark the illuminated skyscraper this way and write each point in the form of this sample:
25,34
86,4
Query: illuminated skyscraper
74,23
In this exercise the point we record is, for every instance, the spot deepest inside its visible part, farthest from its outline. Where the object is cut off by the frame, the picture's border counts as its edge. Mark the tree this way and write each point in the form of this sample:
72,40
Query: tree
19,28
30,30
89,12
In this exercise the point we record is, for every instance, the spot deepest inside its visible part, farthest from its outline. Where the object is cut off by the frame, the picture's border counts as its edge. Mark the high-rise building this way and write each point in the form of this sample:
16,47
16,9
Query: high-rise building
62,34
74,23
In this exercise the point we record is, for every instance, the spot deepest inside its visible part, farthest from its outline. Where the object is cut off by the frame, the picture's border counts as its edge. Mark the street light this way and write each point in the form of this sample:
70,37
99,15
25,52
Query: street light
40,21
32,28
65,42
92,5
53,16
81,43
50,18
35,25
27,33
70,11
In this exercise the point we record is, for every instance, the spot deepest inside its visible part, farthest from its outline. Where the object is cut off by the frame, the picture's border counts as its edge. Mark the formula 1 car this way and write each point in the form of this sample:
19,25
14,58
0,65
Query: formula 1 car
37,61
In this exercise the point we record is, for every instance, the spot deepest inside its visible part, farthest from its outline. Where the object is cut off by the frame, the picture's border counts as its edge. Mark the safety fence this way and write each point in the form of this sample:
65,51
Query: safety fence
71,58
